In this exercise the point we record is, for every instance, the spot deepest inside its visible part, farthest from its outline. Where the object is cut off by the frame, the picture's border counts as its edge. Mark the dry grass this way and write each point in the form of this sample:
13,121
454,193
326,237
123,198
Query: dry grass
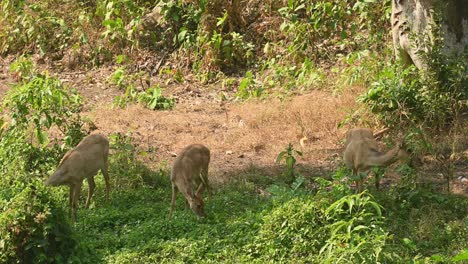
250,134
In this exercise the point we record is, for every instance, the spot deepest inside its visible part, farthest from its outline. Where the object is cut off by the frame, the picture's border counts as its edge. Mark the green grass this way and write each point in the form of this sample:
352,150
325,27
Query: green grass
426,223
423,226
134,226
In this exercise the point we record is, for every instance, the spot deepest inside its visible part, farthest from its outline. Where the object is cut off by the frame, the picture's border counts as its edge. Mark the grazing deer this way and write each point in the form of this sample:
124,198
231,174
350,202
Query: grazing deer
84,161
361,153
190,176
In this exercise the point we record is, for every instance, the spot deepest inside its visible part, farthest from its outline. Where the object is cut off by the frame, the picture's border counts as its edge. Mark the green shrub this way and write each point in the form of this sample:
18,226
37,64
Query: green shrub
315,229
432,97
350,24
40,101
415,98
154,100
120,78
294,230
32,27
357,233
33,227
425,222
151,98
33,106
227,51
117,14
249,87
288,155
182,20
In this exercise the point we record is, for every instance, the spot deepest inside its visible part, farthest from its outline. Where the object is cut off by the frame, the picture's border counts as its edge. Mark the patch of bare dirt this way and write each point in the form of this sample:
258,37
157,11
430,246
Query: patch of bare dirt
5,78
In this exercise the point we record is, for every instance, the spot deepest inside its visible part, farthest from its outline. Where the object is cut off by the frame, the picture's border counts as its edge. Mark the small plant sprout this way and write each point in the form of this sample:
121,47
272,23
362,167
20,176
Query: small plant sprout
289,156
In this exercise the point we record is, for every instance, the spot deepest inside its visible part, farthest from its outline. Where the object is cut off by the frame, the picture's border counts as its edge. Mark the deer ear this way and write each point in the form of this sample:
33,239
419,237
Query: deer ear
191,202
199,199
197,193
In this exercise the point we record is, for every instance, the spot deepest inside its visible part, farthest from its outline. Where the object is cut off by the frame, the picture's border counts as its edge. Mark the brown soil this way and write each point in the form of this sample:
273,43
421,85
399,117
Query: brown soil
241,135
4,77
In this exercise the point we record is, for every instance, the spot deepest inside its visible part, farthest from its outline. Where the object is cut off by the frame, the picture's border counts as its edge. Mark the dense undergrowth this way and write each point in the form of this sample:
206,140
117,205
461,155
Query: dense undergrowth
287,226
284,43
277,48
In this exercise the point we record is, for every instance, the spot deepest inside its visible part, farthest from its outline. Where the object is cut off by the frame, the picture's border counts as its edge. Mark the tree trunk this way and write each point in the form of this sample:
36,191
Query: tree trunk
412,25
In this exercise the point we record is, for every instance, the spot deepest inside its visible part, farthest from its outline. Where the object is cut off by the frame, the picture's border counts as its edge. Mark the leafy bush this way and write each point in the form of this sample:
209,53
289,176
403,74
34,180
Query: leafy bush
117,14
357,233
323,28
154,100
431,98
151,98
425,222
249,87
120,78
33,106
32,27
33,227
41,103
294,230
388,95
183,19
318,230
87,28
338,186
225,51
404,95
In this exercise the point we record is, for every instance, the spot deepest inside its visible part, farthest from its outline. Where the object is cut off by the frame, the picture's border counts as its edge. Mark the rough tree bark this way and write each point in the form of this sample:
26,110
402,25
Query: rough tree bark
413,20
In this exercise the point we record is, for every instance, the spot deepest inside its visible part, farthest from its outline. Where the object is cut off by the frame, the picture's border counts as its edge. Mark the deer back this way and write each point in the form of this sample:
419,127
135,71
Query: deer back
190,163
83,161
362,151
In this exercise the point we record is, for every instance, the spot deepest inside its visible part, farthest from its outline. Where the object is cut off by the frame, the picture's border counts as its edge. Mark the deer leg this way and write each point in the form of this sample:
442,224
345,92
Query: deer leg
363,177
76,196
360,181
206,182
105,172
377,181
91,186
355,174
70,200
173,199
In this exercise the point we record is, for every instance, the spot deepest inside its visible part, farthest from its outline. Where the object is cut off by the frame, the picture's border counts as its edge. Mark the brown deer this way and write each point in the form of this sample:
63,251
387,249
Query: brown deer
190,176
361,153
82,162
